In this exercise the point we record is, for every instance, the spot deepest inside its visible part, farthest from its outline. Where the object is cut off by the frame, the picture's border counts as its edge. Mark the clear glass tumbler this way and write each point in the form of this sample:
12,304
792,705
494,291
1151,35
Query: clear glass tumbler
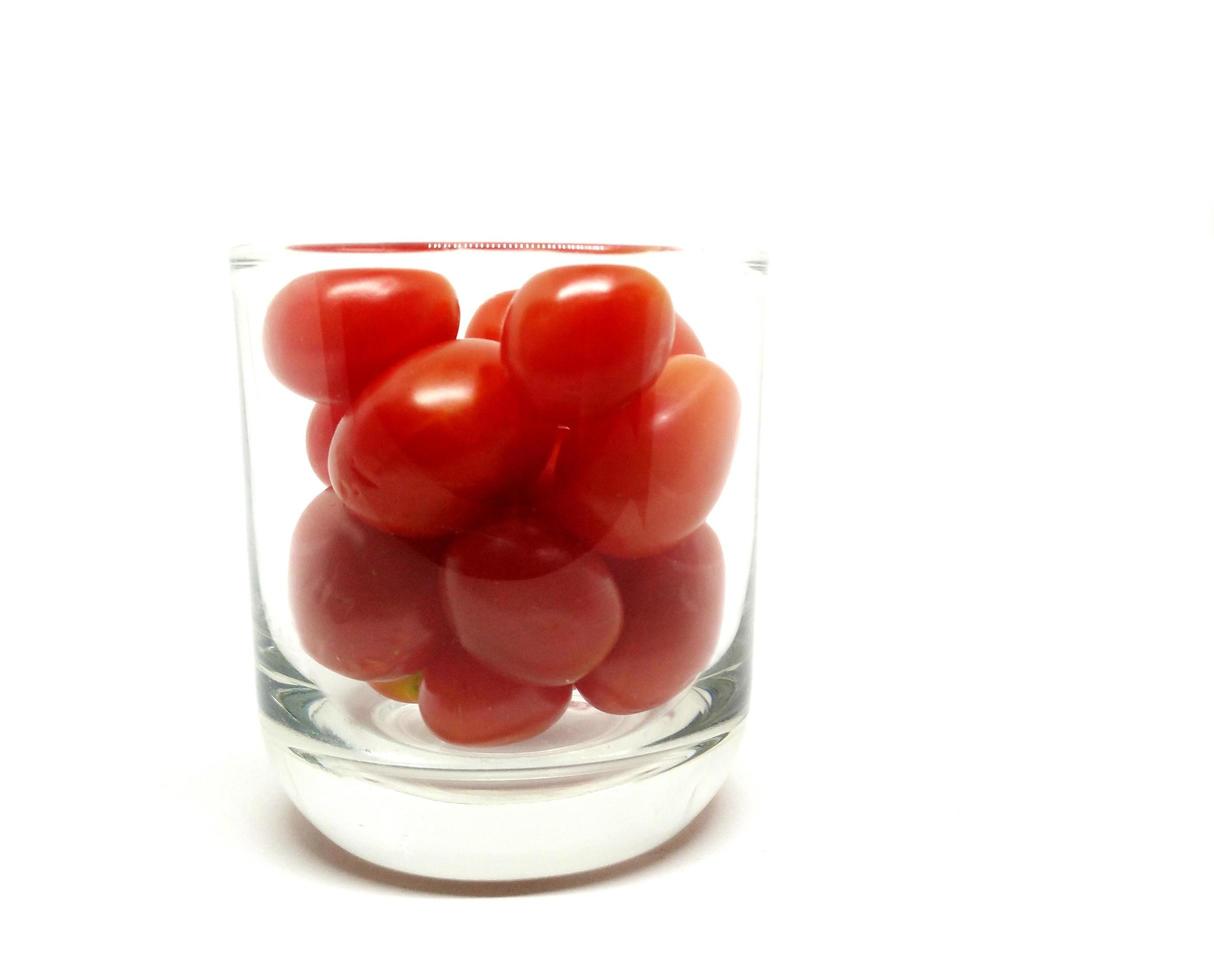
501,505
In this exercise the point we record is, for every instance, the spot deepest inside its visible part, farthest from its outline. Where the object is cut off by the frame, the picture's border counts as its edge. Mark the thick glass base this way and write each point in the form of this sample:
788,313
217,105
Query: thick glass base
505,824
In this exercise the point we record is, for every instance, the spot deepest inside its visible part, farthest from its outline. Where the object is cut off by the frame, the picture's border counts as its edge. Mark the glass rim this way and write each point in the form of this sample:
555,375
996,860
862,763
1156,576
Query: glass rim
244,255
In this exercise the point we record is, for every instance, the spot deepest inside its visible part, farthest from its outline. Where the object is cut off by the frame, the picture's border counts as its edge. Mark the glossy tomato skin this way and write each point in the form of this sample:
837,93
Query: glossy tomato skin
486,322
530,602
464,702
672,619
322,423
685,339
330,334
583,339
434,442
641,478
366,604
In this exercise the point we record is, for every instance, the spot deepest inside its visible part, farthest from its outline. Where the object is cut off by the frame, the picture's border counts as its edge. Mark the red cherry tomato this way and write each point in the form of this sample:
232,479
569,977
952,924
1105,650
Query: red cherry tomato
672,618
329,334
641,478
685,339
366,604
427,447
529,602
404,689
321,425
486,322
465,702
582,339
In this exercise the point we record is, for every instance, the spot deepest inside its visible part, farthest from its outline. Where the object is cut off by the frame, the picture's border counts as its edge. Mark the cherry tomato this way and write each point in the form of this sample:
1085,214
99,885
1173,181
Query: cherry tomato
321,425
641,478
366,604
404,689
427,447
582,339
486,322
685,339
329,334
672,618
529,602
465,702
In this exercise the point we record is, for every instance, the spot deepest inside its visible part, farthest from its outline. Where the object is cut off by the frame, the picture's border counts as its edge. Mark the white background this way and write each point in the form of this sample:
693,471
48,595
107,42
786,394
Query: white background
981,734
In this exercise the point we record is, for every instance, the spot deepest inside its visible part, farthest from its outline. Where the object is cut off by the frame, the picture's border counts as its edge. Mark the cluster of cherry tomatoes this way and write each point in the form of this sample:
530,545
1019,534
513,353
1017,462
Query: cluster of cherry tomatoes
512,513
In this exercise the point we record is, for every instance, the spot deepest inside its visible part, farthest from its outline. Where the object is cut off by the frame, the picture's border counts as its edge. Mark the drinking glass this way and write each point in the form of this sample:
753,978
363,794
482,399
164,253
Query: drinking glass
501,521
